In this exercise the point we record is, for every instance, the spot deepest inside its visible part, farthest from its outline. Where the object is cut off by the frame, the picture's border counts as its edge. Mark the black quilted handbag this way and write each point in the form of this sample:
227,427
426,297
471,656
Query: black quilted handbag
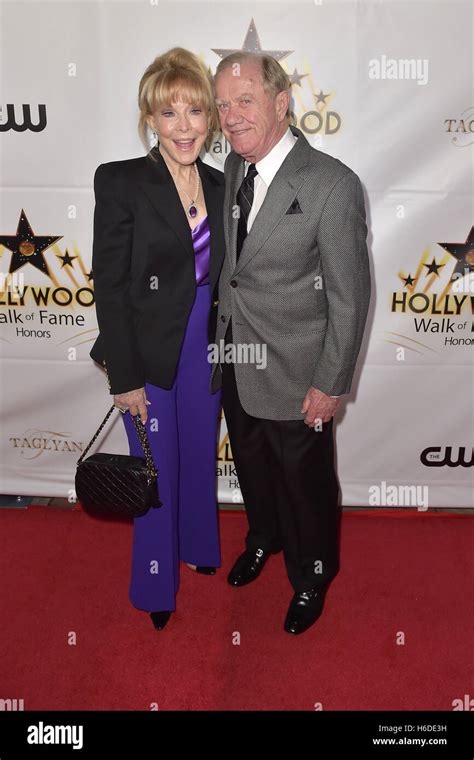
118,484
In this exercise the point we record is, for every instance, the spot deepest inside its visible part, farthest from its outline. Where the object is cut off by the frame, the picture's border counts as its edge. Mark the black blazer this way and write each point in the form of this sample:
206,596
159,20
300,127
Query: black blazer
143,268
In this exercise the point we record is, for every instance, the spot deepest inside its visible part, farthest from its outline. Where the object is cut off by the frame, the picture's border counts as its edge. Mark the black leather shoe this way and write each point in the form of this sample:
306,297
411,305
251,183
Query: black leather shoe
305,608
248,567
160,619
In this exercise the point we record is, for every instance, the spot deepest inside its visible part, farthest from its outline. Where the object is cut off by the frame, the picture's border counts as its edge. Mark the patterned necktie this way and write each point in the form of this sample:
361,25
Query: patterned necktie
244,201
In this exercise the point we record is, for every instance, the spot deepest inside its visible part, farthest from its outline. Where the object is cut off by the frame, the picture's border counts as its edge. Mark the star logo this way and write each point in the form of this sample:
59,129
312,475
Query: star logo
66,259
321,98
311,108
26,247
296,78
433,267
252,45
464,253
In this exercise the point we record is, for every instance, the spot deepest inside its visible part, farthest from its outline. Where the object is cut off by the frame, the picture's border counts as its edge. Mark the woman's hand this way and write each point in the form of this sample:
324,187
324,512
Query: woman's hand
135,401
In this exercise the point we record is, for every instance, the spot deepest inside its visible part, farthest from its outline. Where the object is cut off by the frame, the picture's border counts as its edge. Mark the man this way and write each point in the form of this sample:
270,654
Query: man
295,281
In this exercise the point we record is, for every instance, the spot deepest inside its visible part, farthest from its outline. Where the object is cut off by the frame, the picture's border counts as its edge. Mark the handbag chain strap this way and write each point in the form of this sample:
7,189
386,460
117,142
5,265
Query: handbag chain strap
142,435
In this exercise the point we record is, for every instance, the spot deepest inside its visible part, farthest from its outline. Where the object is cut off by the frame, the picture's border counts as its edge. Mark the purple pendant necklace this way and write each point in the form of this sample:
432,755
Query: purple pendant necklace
192,208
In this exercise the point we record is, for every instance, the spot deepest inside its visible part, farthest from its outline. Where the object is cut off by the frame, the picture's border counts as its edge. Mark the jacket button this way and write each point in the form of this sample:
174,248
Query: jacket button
222,318
233,283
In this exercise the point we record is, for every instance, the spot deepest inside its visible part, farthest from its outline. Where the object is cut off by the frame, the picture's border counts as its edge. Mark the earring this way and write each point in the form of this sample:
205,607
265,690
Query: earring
155,139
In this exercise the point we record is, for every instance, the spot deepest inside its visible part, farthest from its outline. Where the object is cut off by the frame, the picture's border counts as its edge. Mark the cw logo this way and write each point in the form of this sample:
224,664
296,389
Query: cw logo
435,456
25,122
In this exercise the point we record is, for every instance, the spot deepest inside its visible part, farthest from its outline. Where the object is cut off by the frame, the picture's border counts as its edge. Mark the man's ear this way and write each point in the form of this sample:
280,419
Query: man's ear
282,101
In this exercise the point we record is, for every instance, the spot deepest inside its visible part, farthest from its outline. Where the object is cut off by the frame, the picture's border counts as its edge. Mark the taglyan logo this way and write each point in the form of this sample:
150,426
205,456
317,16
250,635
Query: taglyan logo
461,128
34,442
447,456
43,288
19,119
312,112
437,296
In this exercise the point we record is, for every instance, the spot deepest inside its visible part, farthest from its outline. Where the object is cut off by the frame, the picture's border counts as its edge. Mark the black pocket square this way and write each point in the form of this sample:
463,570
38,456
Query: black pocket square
294,208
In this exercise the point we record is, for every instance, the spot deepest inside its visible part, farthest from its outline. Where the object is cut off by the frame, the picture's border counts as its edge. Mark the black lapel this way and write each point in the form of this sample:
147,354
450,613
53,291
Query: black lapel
160,189
280,195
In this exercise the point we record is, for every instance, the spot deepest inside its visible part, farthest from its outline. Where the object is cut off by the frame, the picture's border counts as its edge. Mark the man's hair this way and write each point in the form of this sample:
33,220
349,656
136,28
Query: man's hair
274,77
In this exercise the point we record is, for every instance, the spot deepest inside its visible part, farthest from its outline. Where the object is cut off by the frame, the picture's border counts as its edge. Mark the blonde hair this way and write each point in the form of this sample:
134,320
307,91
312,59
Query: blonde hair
274,77
175,75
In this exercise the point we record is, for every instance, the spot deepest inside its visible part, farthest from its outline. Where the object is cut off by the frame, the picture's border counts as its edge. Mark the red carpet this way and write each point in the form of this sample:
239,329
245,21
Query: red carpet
65,574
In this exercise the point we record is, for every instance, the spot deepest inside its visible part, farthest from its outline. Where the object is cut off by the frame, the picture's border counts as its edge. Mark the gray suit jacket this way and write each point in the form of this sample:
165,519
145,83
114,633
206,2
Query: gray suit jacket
301,286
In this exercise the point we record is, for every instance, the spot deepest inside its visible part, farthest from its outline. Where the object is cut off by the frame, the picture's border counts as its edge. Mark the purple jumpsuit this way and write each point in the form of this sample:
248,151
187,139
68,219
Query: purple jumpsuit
182,428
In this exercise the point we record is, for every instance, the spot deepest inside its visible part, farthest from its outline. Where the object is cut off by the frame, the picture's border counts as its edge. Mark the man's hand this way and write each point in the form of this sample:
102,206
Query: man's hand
135,401
318,406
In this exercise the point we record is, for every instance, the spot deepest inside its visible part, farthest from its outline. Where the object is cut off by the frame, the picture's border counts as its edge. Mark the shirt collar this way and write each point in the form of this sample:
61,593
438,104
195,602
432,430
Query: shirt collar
268,166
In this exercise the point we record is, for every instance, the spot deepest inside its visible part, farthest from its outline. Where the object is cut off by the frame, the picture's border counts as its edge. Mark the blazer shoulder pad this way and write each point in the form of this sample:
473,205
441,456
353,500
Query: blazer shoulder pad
332,168
122,168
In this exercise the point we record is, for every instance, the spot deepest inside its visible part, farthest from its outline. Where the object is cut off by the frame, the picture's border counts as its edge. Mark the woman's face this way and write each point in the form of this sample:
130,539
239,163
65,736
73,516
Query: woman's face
181,129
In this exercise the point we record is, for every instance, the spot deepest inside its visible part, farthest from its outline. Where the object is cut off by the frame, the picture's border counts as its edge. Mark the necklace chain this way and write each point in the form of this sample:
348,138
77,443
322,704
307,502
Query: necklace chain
192,205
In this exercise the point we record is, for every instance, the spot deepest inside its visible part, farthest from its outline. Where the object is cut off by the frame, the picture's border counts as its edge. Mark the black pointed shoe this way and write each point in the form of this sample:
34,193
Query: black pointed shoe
160,619
305,608
247,567
203,569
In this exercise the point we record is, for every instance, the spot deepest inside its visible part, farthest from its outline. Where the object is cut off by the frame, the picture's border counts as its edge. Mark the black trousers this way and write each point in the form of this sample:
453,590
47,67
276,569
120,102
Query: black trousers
289,486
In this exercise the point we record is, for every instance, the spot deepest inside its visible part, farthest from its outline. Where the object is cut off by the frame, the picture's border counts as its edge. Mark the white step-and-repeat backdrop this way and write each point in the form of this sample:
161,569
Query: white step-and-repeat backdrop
384,86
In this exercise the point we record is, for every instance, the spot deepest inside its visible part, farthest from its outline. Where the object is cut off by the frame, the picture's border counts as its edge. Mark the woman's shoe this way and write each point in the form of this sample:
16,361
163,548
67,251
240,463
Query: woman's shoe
206,570
160,619
202,569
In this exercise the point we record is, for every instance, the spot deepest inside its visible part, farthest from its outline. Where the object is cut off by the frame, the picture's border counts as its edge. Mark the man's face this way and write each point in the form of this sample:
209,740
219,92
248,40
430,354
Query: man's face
251,119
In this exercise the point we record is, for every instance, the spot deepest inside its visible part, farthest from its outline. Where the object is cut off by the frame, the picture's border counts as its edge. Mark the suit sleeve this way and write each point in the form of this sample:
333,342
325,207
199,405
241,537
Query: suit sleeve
111,256
341,238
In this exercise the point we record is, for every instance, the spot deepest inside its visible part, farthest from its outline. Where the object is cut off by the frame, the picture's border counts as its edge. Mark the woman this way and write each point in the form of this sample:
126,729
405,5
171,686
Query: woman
158,249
